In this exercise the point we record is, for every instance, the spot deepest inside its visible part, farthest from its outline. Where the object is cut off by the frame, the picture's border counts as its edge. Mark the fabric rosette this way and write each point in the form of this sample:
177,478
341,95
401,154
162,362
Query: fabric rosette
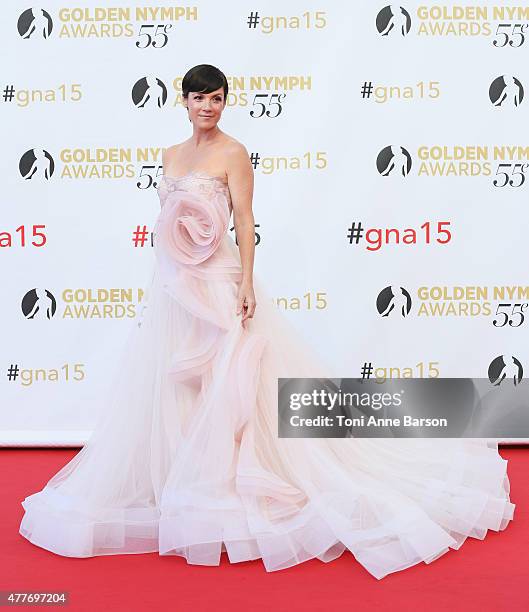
191,226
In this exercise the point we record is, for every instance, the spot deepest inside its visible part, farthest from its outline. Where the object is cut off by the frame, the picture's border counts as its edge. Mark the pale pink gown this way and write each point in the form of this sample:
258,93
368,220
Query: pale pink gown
186,459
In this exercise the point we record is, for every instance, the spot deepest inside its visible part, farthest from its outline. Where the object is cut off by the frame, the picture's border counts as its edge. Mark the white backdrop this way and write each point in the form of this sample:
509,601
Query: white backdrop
77,74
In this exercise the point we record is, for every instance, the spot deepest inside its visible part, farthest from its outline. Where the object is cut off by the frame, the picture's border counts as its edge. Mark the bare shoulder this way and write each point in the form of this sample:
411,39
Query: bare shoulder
233,147
237,156
170,152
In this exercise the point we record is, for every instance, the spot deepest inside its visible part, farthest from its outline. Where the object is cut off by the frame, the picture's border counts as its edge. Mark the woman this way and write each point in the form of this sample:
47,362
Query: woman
186,458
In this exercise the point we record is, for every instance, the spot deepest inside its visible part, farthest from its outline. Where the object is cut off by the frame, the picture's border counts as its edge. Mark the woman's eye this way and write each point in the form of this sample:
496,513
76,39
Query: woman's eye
216,99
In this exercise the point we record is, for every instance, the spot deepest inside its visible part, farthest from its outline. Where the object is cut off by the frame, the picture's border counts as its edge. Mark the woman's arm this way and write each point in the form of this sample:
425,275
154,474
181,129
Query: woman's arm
240,183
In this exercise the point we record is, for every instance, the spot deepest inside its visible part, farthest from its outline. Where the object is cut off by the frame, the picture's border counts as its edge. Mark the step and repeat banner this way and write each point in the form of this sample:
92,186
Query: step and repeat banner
391,196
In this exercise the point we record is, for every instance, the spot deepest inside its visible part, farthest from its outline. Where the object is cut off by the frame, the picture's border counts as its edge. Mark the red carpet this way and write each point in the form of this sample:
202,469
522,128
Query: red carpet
483,575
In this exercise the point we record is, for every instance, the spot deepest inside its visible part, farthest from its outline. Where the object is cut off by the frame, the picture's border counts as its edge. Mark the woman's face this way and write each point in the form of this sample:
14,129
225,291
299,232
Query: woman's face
205,109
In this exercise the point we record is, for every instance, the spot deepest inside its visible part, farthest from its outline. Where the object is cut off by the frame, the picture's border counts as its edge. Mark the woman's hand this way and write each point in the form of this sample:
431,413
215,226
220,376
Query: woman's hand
246,301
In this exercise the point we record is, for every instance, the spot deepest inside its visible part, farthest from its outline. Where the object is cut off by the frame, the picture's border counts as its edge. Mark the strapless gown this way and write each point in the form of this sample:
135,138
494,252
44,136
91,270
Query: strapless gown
186,459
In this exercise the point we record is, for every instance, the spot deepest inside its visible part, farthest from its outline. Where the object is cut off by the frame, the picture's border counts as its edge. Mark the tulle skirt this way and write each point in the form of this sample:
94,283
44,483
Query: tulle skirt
186,459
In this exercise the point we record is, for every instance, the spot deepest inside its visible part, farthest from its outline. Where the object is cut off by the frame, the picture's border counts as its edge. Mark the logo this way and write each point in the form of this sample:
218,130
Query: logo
505,368
36,163
393,299
506,90
38,304
394,159
149,90
34,23
393,19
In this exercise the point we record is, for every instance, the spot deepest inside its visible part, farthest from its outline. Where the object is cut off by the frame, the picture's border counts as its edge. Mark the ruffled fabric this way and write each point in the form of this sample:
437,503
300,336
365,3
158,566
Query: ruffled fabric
186,459
190,227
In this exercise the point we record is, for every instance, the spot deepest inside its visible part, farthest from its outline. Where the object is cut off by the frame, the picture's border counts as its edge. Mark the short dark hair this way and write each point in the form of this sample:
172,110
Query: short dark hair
204,78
